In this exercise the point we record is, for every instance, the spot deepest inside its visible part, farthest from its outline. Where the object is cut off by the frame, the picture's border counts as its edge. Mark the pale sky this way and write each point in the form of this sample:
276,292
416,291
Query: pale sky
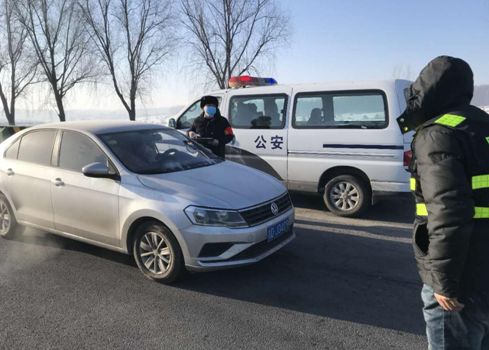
336,40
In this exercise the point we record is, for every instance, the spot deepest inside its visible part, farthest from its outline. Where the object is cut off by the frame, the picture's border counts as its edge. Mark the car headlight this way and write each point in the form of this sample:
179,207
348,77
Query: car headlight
215,217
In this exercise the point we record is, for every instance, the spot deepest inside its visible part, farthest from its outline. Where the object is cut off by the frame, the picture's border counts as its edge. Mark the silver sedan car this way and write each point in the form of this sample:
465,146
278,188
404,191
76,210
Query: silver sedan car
144,190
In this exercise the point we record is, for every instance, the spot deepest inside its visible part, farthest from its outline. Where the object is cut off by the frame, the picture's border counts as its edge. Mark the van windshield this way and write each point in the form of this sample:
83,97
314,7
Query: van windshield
157,151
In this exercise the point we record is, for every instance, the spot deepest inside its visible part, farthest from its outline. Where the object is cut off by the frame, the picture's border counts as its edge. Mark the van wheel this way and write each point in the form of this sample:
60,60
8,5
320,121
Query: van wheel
7,218
347,195
157,253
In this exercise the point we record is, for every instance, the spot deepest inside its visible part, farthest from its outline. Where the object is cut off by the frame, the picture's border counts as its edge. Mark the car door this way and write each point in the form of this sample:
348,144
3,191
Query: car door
259,124
28,170
84,206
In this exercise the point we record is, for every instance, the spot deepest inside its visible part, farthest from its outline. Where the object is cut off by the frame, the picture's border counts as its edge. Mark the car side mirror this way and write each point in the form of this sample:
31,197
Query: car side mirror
172,123
99,170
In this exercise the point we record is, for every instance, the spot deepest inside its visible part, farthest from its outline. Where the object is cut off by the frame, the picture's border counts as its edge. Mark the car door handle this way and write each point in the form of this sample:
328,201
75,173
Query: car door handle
58,182
10,172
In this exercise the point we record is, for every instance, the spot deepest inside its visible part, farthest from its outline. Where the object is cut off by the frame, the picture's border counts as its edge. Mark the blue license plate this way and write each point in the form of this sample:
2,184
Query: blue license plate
277,230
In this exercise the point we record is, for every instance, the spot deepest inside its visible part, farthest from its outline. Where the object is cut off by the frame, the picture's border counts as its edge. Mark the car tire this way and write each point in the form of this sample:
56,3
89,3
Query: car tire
347,196
8,223
157,253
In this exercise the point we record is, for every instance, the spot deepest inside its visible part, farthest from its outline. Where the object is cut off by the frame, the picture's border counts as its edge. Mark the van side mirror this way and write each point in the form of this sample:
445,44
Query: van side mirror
99,170
172,123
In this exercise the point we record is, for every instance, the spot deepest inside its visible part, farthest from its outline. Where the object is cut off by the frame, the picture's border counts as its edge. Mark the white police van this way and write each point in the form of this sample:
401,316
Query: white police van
338,139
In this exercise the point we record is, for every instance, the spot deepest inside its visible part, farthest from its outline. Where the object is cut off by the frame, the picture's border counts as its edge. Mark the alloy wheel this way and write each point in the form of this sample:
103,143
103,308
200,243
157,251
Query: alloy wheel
345,196
155,252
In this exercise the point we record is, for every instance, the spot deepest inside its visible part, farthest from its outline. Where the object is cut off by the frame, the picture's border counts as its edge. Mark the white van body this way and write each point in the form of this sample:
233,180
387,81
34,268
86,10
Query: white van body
307,135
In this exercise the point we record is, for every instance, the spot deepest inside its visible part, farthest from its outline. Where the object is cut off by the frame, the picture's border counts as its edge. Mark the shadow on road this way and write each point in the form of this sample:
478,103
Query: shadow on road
323,272
397,208
354,279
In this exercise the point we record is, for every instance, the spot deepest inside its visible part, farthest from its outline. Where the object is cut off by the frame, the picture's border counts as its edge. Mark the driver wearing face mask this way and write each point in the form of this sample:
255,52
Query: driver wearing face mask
211,126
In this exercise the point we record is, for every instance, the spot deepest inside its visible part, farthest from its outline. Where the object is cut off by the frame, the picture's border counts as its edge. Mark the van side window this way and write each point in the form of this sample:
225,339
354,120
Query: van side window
187,118
337,110
258,111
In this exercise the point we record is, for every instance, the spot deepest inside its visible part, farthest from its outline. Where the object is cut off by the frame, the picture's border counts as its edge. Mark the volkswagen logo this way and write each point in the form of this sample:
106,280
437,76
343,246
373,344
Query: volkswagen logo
274,208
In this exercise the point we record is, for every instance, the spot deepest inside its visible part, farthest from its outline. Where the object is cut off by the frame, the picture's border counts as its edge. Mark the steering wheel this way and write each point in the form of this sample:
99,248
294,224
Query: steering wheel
166,154
168,151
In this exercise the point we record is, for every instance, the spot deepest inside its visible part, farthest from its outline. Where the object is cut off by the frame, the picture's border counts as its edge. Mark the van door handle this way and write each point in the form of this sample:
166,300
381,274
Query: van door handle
10,172
58,182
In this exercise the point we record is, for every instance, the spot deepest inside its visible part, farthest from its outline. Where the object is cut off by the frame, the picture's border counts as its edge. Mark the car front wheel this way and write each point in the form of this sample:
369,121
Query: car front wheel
157,253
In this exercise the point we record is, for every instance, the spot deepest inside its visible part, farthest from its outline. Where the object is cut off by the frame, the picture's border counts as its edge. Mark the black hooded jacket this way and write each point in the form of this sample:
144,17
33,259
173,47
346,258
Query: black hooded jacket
450,171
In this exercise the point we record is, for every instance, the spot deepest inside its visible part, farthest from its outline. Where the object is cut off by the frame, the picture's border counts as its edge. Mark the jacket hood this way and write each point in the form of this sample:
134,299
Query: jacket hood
444,84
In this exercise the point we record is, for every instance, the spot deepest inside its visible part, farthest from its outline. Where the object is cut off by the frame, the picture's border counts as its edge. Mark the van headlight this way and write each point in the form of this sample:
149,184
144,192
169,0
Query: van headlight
215,217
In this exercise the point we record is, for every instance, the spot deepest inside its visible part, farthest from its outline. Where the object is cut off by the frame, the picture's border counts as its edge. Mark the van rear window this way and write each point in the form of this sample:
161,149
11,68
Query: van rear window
340,110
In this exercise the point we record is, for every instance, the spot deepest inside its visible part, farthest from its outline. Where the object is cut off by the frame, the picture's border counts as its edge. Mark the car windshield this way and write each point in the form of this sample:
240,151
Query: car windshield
157,151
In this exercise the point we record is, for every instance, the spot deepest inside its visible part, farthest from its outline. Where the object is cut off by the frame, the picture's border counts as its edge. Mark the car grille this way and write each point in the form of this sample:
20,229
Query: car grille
263,212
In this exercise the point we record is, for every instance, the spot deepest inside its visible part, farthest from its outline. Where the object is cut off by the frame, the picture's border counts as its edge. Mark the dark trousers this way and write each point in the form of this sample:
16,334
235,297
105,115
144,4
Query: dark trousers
467,329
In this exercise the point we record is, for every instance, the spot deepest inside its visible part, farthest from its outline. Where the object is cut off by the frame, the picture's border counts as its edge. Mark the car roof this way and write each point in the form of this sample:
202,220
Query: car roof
100,126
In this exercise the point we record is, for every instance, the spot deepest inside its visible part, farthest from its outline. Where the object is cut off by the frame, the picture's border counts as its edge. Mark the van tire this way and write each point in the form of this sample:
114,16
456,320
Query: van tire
347,195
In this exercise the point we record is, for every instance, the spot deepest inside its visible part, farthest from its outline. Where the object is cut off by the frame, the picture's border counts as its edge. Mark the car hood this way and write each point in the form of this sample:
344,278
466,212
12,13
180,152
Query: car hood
225,185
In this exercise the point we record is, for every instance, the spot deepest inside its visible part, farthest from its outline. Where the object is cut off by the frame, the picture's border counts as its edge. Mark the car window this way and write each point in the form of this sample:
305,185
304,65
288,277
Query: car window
13,150
187,118
257,112
37,147
362,110
157,151
78,150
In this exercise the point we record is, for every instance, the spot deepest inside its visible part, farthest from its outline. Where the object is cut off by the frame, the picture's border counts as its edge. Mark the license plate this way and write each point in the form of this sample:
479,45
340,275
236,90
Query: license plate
277,230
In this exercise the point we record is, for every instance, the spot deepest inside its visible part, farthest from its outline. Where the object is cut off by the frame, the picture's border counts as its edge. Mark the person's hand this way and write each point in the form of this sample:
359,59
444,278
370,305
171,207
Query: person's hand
214,142
193,135
449,304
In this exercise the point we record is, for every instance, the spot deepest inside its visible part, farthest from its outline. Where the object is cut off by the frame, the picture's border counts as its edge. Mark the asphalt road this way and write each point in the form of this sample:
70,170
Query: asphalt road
342,284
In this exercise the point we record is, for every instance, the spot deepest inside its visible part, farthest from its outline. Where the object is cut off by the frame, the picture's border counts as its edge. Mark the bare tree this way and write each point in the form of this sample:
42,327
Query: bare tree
61,44
132,38
18,67
229,37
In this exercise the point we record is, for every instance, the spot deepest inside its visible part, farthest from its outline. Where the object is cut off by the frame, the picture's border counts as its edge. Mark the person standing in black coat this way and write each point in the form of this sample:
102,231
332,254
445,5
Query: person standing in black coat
450,180
213,126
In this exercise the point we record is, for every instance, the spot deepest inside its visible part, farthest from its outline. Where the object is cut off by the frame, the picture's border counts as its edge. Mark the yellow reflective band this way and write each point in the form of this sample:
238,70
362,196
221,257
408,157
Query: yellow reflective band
481,213
480,181
412,184
487,139
421,209
451,120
